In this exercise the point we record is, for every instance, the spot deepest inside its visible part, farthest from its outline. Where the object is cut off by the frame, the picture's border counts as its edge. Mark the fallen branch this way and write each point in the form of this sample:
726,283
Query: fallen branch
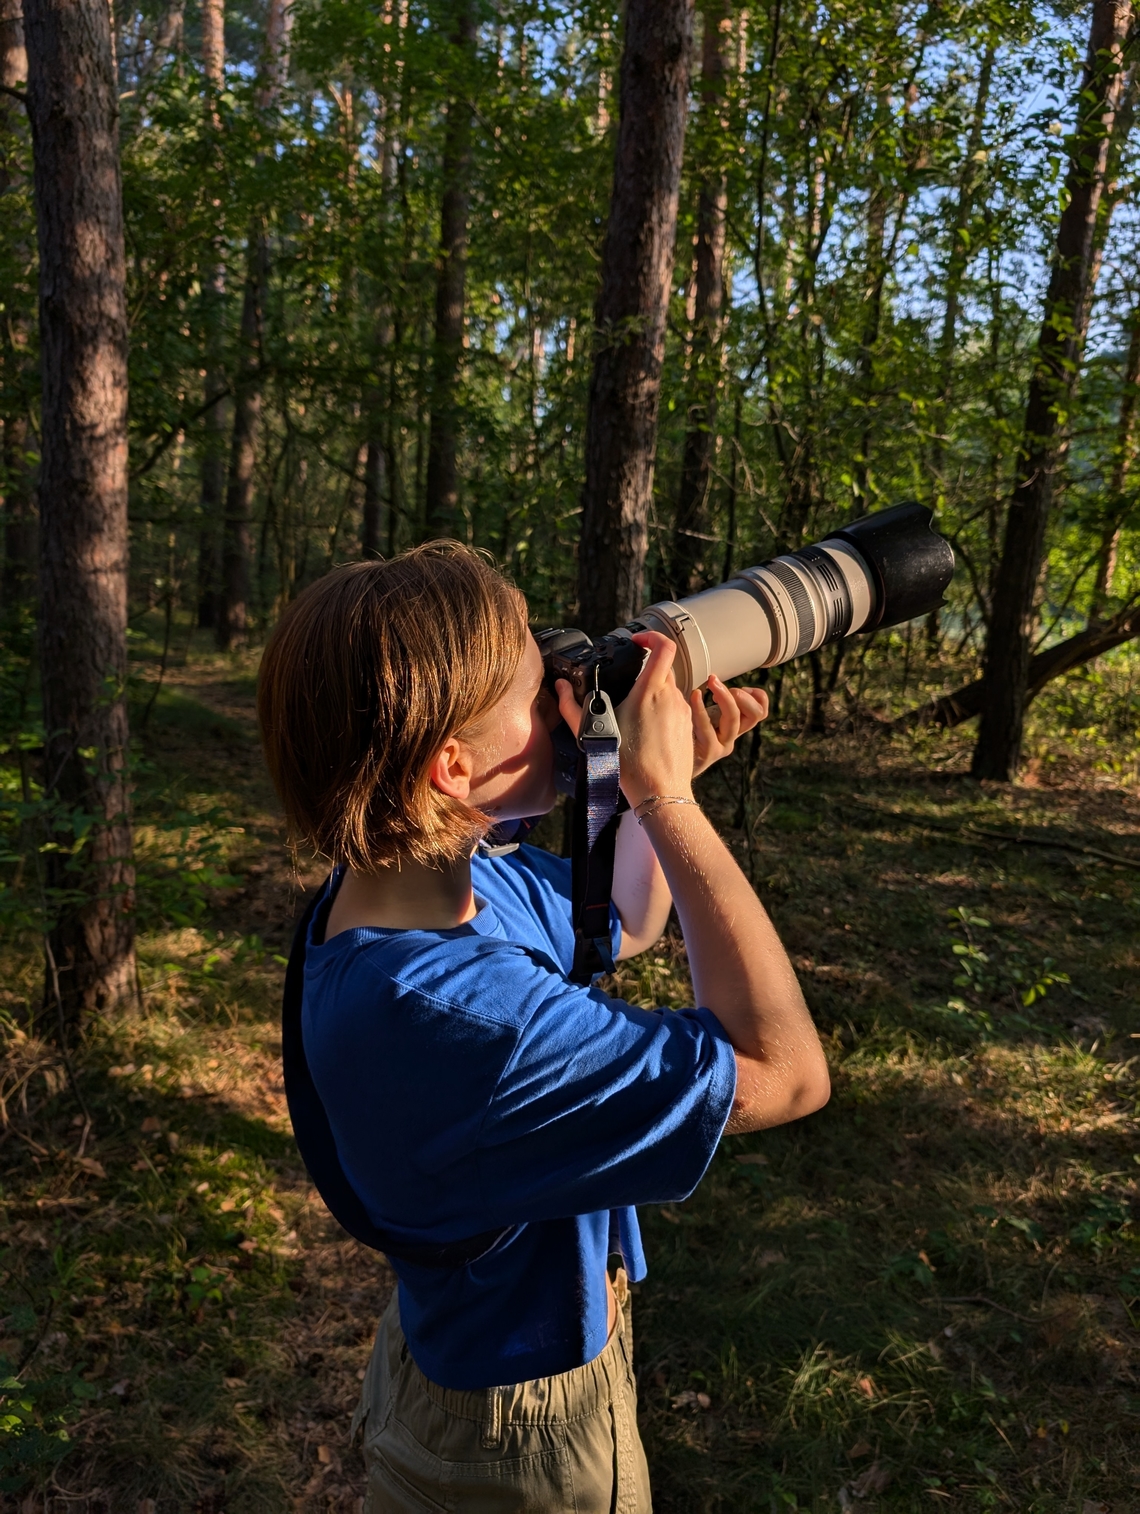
966,702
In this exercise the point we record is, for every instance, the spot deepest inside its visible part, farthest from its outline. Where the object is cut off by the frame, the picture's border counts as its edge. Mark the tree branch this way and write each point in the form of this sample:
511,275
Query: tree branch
966,702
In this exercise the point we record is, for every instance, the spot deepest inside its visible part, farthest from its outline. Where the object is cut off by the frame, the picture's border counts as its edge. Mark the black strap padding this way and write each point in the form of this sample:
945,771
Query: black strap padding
317,1145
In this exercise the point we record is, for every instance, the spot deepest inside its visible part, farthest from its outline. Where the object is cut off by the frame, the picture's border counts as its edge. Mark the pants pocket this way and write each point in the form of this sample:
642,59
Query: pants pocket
538,1483
391,1492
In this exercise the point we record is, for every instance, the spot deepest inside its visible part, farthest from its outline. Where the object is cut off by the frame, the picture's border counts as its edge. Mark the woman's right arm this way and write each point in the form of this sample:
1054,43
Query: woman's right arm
739,966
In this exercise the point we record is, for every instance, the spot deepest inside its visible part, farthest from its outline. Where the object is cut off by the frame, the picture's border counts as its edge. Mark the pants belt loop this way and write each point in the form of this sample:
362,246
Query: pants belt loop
493,1420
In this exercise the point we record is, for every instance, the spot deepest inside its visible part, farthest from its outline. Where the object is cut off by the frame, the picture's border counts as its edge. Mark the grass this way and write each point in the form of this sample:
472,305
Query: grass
927,1296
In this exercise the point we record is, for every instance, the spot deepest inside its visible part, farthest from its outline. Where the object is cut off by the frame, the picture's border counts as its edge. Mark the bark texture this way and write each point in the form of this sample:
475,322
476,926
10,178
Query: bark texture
17,494
629,317
73,109
442,487
691,548
1051,388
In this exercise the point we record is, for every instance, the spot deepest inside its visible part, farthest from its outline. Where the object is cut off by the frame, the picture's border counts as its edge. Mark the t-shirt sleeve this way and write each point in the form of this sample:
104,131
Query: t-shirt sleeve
602,1104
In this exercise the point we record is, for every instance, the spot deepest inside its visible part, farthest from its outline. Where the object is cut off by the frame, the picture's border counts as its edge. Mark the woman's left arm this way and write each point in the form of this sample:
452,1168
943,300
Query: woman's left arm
640,891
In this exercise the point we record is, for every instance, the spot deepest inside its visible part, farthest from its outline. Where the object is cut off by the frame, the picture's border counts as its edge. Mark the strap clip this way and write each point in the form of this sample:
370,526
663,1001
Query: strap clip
599,723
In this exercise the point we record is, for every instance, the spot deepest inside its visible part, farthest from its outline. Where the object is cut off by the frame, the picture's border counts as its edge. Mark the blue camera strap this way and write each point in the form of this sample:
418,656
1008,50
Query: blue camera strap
597,807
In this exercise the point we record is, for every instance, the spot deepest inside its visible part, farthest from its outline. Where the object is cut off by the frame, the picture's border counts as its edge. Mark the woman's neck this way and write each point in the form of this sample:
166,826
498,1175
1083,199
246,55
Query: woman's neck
409,897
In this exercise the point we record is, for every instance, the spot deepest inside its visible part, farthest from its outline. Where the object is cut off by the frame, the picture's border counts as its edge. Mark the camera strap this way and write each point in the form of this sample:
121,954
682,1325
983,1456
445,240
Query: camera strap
316,1142
597,808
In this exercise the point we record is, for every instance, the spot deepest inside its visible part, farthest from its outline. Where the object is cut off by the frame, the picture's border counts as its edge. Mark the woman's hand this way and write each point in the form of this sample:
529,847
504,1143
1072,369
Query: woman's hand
657,750
655,756
715,731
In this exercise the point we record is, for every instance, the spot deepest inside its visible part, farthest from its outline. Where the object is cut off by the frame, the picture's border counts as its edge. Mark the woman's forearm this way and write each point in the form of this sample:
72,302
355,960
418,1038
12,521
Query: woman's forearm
741,972
640,892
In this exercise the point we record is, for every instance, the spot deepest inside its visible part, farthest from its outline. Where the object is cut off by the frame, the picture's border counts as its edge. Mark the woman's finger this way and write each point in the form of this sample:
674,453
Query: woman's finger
728,726
752,705
658,665
568,706
704,732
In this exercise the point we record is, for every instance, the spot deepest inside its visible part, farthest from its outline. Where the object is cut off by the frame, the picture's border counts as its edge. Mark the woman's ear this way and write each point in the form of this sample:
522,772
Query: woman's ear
452,769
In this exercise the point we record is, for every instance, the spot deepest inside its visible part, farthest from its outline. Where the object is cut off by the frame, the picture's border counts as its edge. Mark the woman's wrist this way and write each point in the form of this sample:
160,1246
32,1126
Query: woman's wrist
652,803
637,793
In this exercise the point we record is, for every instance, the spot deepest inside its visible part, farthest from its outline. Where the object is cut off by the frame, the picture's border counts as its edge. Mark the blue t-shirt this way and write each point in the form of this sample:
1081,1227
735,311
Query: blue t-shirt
471,1086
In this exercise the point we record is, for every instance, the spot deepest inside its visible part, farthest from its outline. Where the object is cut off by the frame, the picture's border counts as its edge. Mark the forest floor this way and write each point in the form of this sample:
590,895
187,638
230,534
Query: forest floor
926,1296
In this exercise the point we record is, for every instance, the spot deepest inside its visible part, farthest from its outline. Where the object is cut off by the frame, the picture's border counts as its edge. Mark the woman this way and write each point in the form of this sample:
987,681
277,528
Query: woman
497,1122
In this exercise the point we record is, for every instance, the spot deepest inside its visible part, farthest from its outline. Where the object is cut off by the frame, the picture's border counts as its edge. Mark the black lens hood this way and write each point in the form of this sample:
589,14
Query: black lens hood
910,563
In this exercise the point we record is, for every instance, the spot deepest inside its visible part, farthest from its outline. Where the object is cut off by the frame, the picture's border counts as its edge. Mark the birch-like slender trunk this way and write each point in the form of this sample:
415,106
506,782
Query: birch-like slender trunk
232,625
442,488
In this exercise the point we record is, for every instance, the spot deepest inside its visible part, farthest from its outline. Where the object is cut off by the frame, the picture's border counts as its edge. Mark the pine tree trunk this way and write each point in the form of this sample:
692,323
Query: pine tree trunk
73,109
629,318
216,420
1051,389
442,489
690,547
232,625
17,495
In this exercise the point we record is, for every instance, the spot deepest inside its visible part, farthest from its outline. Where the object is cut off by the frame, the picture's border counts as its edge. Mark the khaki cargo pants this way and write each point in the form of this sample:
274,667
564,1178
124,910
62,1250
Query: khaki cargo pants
556,1445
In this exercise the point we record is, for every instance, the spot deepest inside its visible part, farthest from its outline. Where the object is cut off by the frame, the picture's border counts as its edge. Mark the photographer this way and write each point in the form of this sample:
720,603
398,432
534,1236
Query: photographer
497,1121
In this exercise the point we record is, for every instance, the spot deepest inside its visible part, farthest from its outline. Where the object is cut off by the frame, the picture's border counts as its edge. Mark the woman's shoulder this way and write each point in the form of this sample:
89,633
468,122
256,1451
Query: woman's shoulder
483,977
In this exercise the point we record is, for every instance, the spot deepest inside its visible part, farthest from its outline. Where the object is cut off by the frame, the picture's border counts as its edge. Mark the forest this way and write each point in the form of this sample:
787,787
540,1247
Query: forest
632,297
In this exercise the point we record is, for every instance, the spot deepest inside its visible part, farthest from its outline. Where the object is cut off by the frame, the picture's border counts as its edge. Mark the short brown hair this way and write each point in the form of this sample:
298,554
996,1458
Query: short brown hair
368,673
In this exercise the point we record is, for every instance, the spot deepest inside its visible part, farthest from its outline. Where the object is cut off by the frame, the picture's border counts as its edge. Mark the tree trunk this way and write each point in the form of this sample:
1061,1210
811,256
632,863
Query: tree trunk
964,703
16,485
232,624
237,527
959,261
690,546
1121,463
74,115
1051,389
442,493
216,419
629,317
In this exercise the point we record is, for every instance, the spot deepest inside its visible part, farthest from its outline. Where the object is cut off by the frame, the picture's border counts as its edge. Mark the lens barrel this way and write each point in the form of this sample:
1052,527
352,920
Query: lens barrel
881,570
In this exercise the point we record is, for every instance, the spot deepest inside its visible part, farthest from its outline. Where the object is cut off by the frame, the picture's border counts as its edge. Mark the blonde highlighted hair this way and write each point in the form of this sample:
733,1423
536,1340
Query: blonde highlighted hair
368,673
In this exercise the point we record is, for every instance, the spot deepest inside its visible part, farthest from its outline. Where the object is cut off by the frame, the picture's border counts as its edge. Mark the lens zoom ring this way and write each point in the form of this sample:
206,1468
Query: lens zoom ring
801,604
834,590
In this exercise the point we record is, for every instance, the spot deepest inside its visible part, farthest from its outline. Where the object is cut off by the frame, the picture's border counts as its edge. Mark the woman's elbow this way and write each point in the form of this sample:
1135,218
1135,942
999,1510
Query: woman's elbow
814,1091
760,1104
